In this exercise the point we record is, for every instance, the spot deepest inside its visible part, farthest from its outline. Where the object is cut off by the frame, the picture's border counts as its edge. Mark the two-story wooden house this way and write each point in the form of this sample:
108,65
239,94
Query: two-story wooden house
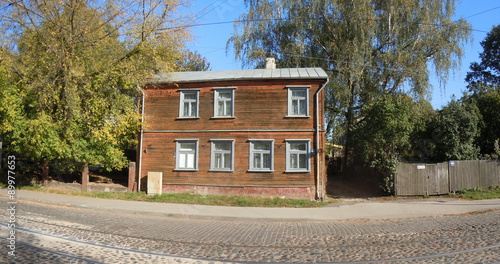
240,132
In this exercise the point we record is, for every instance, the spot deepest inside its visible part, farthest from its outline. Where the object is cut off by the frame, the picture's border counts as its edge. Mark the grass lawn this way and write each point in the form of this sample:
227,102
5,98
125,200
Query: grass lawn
186,198
479,194
241,201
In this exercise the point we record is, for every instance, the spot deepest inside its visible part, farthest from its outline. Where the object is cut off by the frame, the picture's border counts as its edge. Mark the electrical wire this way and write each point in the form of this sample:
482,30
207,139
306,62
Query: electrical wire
223,2
482,12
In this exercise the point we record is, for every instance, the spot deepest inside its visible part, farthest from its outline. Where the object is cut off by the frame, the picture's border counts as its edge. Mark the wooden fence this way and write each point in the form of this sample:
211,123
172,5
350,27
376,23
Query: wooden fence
442,178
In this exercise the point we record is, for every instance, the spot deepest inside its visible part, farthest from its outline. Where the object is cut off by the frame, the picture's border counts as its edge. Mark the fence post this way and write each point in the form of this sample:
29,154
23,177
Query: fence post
131,177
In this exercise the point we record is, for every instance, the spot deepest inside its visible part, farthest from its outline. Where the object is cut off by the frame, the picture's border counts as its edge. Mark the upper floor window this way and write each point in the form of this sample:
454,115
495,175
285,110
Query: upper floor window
222,155
224,102
188,107
297,155
298,101
186,154
261,155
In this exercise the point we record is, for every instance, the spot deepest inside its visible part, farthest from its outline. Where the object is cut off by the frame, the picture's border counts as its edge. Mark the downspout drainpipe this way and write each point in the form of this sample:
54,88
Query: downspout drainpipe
319,195
140,141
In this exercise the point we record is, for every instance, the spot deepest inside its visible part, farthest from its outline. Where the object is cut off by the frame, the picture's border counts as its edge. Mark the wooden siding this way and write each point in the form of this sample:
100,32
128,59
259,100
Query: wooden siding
159,150
256,106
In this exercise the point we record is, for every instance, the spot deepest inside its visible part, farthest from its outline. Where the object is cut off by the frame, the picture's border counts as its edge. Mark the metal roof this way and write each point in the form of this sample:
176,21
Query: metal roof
239,75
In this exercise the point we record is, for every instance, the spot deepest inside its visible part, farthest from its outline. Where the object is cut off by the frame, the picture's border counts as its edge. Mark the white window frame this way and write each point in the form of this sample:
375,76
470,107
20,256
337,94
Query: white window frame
252,151
179,152
182,101
213,153
291,98
217,91
289,152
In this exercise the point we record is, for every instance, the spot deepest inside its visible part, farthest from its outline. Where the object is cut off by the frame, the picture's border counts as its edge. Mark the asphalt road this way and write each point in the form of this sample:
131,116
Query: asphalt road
48,233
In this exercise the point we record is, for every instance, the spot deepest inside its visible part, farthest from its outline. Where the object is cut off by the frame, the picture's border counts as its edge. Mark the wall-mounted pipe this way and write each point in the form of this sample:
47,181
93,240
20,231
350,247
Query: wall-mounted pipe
319,183
140,141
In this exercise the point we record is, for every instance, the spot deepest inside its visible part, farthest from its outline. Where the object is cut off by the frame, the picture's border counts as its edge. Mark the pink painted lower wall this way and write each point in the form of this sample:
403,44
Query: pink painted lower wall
268,192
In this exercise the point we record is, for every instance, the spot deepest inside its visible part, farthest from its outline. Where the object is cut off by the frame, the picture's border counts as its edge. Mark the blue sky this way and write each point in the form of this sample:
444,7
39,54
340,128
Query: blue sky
210,40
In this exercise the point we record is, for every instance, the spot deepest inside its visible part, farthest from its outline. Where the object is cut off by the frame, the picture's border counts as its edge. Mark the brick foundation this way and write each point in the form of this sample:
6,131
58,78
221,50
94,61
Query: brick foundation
268,192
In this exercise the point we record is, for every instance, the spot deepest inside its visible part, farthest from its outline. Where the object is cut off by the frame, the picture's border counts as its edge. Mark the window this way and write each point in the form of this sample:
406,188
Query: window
297,155
186,154
261,155
298,102
222,155
224,102
188,104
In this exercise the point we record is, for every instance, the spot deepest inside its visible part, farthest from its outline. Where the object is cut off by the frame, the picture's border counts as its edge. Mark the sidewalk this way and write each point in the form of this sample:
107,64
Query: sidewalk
369,210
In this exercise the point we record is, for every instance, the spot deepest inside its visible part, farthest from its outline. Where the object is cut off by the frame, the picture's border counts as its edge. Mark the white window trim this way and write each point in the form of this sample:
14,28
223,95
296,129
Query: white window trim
181,103
292,88
212,154
251,152
177,154
308,155
216,92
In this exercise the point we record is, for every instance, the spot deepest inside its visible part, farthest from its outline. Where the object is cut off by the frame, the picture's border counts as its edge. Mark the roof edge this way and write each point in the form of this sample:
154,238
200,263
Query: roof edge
239,75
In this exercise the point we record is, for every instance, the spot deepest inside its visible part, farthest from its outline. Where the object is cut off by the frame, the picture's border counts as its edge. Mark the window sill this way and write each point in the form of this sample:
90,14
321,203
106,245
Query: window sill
268,171
185,169
215,170
297,171
187,118
222,117
297,116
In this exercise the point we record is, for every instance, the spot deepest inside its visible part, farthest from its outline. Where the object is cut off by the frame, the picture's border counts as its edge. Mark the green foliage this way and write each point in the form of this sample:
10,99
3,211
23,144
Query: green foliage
385,134
484,91
74,68
496,153
485,76
457,125
488,104
10,101
192,61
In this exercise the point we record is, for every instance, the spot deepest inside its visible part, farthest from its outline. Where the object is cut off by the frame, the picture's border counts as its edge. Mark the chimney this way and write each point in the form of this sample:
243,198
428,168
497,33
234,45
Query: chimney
270,63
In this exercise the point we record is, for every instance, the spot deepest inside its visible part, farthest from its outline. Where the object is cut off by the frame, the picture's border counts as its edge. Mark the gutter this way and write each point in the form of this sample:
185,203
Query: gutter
140,141
320,196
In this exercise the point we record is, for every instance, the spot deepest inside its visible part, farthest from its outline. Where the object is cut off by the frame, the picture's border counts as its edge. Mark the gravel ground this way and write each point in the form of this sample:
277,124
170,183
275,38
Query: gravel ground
59,234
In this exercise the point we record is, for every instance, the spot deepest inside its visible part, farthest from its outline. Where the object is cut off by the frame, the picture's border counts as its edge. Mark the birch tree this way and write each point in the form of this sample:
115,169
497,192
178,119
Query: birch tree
369,48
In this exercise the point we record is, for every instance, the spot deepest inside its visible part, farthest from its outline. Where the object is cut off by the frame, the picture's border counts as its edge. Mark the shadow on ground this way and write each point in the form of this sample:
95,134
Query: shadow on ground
353,188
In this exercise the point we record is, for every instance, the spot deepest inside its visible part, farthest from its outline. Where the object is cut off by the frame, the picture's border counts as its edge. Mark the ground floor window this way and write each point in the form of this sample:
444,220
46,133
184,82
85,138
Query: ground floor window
222,152
186,155
261,155
297,155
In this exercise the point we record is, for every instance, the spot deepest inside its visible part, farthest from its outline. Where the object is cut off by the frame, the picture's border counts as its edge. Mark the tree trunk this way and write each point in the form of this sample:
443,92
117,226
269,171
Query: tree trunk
45,172
349,122
85,177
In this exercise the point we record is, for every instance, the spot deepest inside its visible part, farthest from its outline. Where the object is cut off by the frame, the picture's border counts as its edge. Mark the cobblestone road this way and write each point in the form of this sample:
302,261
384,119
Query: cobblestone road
59,234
